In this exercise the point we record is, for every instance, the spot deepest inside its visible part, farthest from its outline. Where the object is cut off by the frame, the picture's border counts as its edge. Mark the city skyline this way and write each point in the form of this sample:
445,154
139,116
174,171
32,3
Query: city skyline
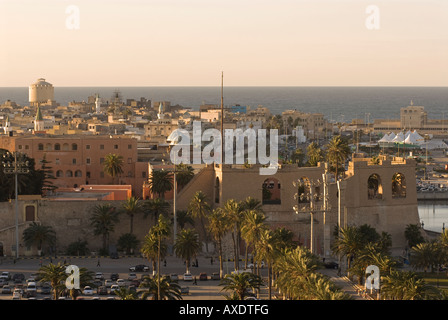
189,43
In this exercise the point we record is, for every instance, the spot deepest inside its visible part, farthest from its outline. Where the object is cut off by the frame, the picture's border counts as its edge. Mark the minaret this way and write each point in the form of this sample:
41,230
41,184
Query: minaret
98,104
7,127
39,121
160,115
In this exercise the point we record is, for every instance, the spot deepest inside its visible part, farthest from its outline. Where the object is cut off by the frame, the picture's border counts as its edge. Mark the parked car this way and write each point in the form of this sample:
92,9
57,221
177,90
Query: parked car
188,277
31,286
203,276
18,277
16,295
102,290
45,289
132,276
331,265
174,277
139,268
135,282
114,276
5,275
113,288
251,265
121,282
215,276
108,283
184,290
99,276
88,291
6,289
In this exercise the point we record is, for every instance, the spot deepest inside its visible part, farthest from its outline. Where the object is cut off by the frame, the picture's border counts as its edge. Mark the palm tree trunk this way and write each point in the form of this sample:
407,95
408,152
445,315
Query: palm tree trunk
221,266
132,224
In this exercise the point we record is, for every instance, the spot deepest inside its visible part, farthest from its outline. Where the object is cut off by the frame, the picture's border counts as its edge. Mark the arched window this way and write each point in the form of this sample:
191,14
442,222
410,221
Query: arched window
40,146
74,146
303,190
69,173
65,147
374,187
398,186
78,173
59,173
271,191
57,147
217,187
48,147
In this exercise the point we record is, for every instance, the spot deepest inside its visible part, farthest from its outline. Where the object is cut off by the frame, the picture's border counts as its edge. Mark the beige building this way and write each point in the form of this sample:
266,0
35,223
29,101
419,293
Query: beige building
381,195
41,92
314,125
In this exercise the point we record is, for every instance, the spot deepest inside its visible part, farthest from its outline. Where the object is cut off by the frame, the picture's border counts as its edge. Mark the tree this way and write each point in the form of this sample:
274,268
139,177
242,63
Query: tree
37,234
314,154
233,211
252,228
55,275
160,181
77,248
48,176
199,209
184,174
241,284
156,207
169,289
113,165
218,226
348,243
406,286
128,242
103,221
187,246
298,157
427,255
337,152
183,218
131,207
126,294
413,235
160,231
150,249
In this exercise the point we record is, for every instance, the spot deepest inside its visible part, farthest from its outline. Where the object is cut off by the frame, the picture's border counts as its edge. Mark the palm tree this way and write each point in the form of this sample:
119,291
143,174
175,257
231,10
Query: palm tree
183,218
156,207
314,154
85,279
161,231
246,205
266,252
413,235
150,249
131,207
252,228
320,287
218,227
233,211
241,284
169,289
37,234
199,209
113,165
407,286
184,173
160,181
427,255
337,152
126,294
349,243
55,275
187,246
103,221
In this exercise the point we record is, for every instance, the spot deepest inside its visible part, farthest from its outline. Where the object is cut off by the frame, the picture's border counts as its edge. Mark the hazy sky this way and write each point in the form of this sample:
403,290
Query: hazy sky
255,43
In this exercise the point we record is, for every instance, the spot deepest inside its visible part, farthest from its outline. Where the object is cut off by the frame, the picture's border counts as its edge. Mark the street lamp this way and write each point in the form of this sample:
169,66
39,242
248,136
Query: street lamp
308,198
15,163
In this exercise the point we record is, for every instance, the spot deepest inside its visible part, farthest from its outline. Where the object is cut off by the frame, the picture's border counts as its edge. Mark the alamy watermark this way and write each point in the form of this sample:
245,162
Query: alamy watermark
234,147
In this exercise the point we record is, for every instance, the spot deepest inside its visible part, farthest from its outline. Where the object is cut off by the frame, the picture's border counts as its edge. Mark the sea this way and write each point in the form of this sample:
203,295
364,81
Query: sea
337,104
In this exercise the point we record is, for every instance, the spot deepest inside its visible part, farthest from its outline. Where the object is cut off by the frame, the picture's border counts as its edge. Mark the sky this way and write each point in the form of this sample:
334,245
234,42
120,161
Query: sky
254,42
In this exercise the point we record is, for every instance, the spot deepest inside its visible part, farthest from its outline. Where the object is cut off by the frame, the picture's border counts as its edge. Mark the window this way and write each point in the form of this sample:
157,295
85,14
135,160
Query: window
57,147
374,187
129,160
65,147
78,173
59,173
57,161
88,146
101,160
69,173
143,174
101,146
30,213
217,190
74,146
88,161
129,146
398,186
115,146
271,191
20,146
27,147
48,147
88,174
40,146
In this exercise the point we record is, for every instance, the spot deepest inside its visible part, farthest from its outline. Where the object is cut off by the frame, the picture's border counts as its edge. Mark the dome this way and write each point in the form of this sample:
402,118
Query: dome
42,82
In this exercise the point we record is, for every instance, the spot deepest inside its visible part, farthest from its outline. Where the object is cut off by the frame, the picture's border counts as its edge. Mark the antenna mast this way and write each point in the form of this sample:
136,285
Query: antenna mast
222,118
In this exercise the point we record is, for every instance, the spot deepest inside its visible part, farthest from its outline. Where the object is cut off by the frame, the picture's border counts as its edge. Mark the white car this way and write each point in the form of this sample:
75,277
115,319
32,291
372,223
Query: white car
17,294
99,276
88,291
121,282
31,286
113,288
108,283
132,276
188,277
